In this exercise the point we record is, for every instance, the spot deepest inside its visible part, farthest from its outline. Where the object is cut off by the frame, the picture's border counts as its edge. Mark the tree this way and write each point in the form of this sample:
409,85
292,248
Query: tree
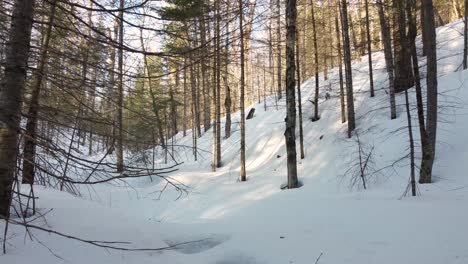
243,176
402,65
316,66
218,83
369,49
290,133
11,93
299,98
431,105
465,36
348,69
340,70
120,94
29,151
278,47
385,32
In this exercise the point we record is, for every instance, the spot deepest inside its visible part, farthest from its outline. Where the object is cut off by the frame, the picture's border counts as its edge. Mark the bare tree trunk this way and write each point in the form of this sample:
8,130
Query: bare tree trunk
278,46
423,29
11,93
195,117
92,106
385,29
412,31
184,125
316,66
340,70
403,73
465,36
213,114
420,105
348,69
218,85
29,151
120,162
290,133
410,134
264,86
431,81
227,101
369,50
304,45
354,40
299,97
206,92
243,176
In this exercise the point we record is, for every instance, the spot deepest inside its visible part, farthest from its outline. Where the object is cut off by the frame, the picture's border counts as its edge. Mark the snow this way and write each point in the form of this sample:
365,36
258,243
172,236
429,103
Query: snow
251,222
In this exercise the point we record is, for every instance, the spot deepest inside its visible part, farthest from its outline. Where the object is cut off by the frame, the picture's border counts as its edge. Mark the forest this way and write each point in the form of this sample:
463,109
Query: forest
233,132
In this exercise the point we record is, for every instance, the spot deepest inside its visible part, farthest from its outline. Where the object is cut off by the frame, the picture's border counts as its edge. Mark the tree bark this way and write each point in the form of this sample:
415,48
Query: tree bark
29,151
243,176
120,162
206,92
348,69
431,82
290,133
278,46
340,71
299,97
218,85
11,93
227,101
316,66
369,49
385,30
403,73
465,36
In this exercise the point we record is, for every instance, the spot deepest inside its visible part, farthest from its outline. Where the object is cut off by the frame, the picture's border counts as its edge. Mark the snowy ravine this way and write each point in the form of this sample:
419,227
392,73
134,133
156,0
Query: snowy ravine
256,222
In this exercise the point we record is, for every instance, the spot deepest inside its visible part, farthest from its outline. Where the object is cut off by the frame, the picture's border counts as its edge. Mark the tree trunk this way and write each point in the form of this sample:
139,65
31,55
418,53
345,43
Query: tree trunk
299,97
423,29
243,176
410,4
184,119
218,85
290,133
402,67
195,116
270,54
431,82
340,71
316,66
410,134
278,46
369,49
385,28
29,151
120,162
465,37
227,101
206,92
11,93
348,69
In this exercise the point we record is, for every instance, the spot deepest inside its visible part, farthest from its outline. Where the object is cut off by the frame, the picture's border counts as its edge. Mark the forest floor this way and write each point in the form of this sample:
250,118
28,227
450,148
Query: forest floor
331,219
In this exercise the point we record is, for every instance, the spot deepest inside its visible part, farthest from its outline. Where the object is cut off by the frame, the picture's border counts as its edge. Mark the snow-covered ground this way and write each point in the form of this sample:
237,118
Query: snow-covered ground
329,218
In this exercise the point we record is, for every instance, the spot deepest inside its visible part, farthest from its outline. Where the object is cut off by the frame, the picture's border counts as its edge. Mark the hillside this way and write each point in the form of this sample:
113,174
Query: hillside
330,217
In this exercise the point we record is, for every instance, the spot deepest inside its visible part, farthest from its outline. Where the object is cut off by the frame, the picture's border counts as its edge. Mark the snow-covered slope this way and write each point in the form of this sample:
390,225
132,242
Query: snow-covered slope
329,217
